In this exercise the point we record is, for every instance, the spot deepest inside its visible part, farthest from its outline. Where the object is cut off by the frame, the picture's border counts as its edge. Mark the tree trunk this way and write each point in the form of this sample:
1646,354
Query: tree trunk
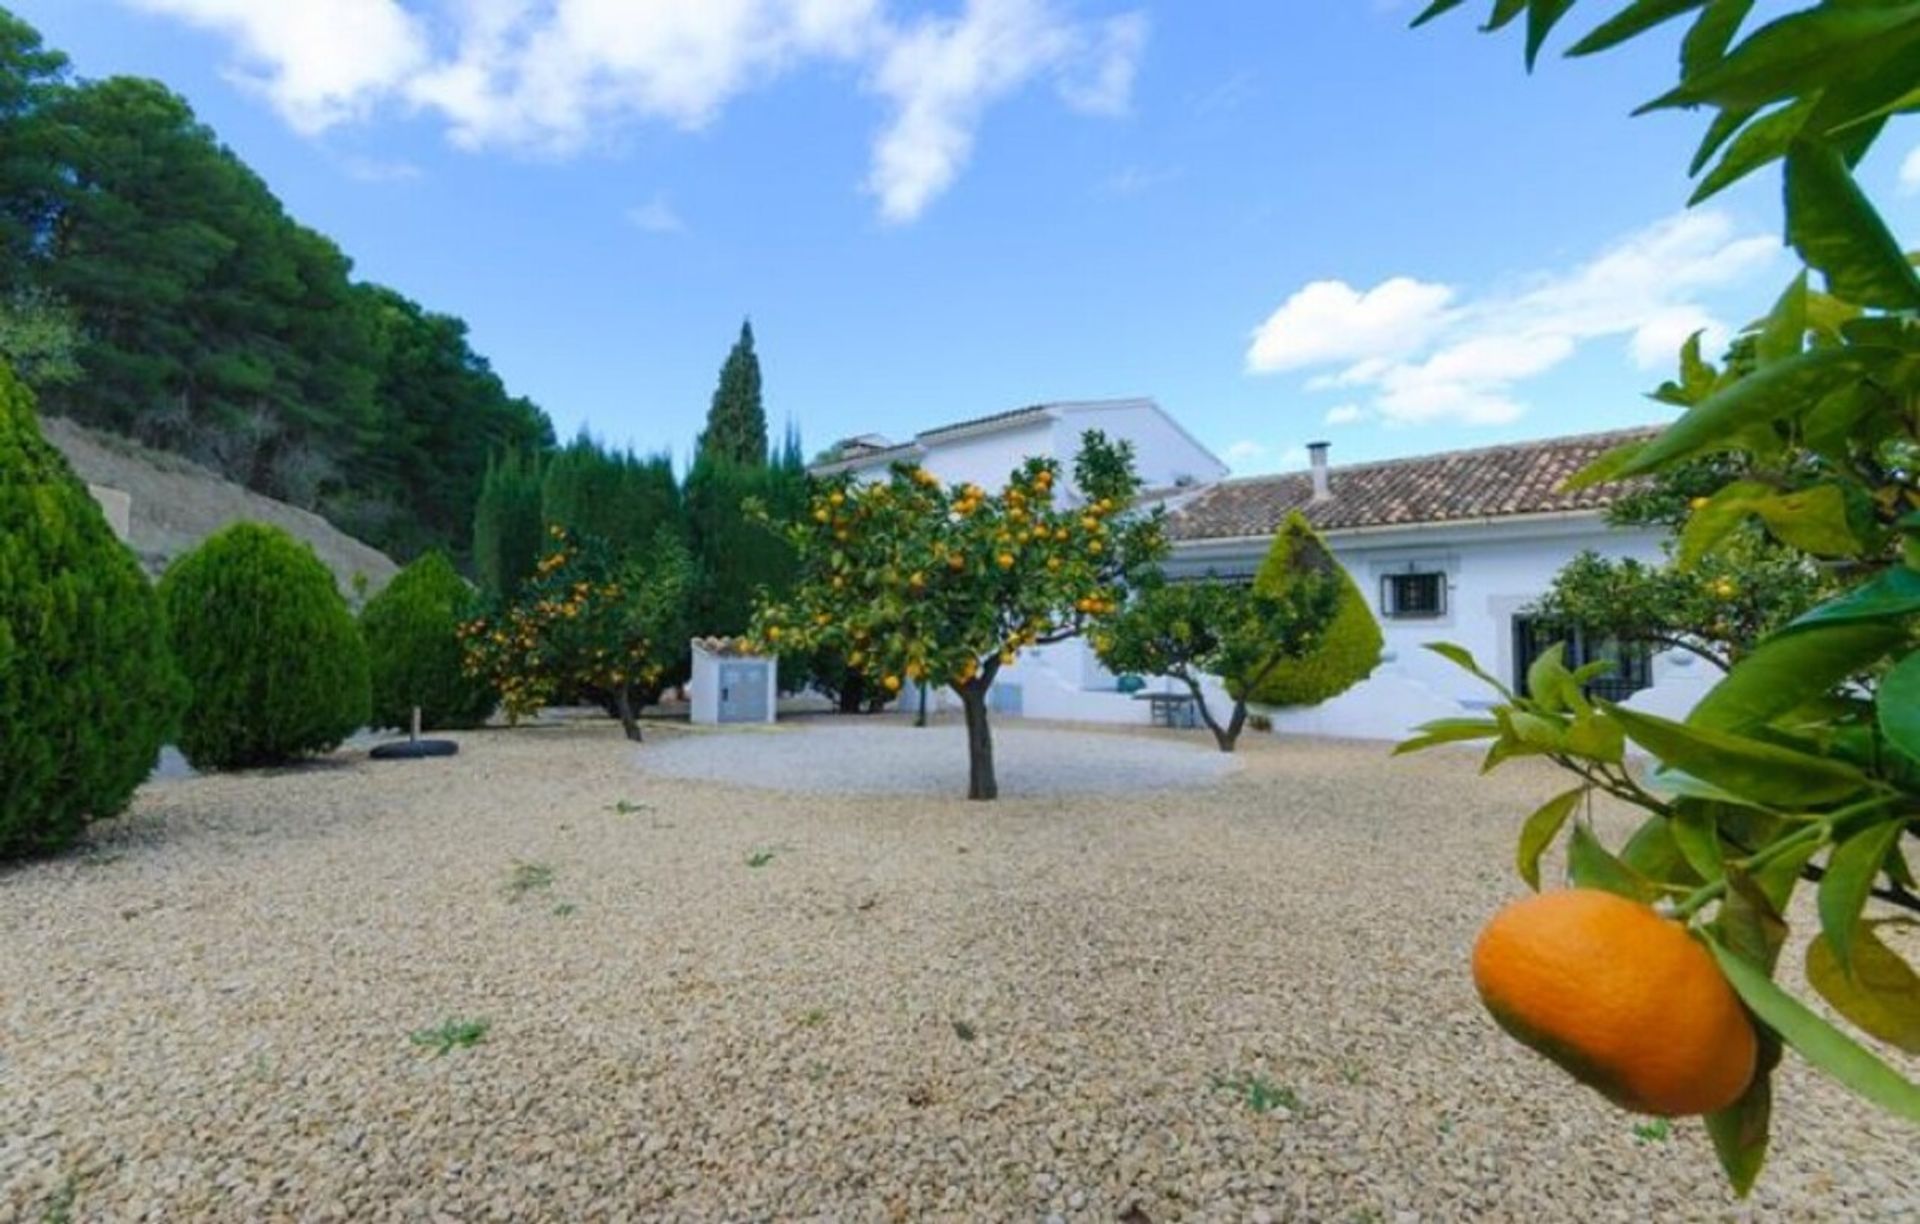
980,780
1226,737
853,697
1229,735
629,720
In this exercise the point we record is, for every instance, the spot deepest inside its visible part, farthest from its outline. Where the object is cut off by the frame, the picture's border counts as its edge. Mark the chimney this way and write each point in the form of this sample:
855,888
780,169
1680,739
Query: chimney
1317,453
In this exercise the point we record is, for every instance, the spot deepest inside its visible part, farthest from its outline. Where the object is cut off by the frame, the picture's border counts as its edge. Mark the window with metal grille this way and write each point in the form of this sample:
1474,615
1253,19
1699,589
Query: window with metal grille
1413,596
1630,664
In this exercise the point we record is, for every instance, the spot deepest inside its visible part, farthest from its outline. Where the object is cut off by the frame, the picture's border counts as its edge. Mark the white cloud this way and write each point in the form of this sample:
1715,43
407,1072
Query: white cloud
1427,353
1102,82
1910,172
1331,321
657,216
557,76
1346,414
320,64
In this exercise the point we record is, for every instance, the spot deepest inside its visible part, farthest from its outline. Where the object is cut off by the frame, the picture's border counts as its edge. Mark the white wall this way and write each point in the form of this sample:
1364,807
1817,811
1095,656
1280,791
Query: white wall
1164,454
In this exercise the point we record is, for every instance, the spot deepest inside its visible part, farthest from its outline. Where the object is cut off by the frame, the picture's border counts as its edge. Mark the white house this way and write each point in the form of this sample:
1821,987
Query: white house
1450,547
987,449
1447,547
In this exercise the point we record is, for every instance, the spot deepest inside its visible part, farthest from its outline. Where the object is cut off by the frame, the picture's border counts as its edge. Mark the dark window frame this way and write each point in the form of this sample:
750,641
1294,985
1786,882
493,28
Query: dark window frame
1394,607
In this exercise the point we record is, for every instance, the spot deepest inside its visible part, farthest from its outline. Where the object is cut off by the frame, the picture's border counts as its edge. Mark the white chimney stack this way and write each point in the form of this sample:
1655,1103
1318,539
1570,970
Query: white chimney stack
1317,453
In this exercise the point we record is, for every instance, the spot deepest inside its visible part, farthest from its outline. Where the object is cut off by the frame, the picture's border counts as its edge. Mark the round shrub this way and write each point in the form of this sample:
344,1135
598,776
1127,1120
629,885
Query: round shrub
272,656
1348,651
88,692
414,649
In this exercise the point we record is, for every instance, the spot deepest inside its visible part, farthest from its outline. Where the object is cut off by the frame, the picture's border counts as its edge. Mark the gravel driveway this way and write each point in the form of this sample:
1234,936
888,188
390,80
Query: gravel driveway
870,756
1235,1002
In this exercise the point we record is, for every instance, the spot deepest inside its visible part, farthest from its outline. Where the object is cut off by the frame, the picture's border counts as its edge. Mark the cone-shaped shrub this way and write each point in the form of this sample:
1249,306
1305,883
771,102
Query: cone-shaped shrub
88,691
1350,648
275,663
414,649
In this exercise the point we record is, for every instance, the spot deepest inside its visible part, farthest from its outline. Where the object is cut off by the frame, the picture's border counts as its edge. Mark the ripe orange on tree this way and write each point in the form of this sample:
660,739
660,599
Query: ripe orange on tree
1622,998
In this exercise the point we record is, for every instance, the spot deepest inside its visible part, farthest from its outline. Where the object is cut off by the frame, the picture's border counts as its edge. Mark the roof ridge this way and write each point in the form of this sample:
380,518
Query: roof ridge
1458,453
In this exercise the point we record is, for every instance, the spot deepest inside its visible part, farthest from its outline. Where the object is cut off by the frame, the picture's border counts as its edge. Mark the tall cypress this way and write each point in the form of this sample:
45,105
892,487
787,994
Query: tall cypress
507,530
737,421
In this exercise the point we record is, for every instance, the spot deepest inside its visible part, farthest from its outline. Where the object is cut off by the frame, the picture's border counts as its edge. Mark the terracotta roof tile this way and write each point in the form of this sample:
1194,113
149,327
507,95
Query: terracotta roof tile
1520,478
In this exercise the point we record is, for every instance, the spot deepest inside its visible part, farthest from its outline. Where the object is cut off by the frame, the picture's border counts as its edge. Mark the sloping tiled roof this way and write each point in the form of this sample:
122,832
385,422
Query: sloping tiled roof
996,418
1494,481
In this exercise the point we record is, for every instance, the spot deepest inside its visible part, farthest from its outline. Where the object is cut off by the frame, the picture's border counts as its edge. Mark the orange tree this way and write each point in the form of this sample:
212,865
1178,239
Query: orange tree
1206,627
1802,764
590,624
913,581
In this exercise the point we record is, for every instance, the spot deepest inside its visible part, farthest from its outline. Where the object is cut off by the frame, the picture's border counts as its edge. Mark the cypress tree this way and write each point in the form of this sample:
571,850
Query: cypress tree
1348,649
507,530
88,688
737,421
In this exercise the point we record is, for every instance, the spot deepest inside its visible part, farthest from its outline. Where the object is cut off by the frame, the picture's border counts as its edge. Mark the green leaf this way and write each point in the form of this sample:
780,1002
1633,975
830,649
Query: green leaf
1705,45
1548,679
1752,769
1725,124
1881,993
1720,517
1654,853
1894,596
1740,1131
1435,9
1851,870
1540,830
1596,737
1837,232
1765,140
1749,921
1504,11
1779,58
1697,833
1591,866
1609,466
1780,877
1788,670
1784,333
1897,706
1447,731
1542,16
1782,391
1819,1042
1460,657
1637,18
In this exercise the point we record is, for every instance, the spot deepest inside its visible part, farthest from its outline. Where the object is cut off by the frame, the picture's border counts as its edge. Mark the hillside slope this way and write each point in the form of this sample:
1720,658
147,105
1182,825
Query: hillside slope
178,503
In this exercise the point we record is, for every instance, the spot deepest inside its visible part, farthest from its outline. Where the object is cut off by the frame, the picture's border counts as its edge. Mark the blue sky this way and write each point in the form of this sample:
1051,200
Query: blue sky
1285,221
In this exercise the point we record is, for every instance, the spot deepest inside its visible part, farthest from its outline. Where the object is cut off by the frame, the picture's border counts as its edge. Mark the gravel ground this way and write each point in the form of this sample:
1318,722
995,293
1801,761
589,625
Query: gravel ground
871,756
906,1010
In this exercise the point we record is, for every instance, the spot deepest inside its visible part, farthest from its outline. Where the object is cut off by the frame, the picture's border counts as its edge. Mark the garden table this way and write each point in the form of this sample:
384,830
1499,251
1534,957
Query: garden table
1169,709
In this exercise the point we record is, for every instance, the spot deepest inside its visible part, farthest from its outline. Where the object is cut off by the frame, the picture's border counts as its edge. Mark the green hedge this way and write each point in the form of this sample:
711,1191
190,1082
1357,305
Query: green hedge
414,651
274,660
88,691
1349,651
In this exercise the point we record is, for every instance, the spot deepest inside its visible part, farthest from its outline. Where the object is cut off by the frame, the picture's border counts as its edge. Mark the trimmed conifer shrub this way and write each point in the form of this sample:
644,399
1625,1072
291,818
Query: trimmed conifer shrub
1350,648
88,692
274,661
414,649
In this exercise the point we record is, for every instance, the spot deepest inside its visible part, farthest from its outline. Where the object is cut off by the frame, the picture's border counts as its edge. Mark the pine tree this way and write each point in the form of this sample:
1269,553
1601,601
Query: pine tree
737,421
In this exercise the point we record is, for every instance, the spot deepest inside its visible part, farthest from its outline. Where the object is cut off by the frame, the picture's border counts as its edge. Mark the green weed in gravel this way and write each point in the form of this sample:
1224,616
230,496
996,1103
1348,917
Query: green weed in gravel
1257,1092
528,877
453,1033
